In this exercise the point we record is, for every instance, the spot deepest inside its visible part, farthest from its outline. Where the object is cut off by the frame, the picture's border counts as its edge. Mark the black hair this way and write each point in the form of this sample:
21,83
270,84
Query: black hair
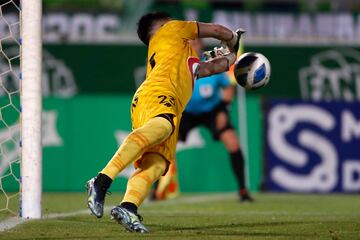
146,22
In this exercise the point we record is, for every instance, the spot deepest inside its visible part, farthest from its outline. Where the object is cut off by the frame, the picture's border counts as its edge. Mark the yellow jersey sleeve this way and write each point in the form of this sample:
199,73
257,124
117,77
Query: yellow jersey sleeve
185,29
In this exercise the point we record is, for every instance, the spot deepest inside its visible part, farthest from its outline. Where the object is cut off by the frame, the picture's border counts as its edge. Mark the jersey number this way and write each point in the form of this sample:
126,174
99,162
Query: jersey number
167,100
152,61
135,101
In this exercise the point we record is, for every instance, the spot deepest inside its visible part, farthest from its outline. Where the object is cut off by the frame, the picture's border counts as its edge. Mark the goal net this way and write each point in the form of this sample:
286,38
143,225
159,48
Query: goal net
20,108
9,106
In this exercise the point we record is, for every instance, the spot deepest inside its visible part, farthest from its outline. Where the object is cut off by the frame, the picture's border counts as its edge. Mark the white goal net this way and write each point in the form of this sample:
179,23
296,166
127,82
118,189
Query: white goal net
9,106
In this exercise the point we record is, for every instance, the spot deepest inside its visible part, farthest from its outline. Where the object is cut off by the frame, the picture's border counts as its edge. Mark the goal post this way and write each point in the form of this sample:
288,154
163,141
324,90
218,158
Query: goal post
31,109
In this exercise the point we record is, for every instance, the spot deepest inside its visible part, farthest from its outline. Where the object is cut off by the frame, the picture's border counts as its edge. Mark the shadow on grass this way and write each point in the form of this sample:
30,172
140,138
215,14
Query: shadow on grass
236,229
261,229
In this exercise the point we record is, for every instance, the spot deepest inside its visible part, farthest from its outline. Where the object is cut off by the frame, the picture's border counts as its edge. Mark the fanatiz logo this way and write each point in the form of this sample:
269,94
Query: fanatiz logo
332,75
57,78
313,147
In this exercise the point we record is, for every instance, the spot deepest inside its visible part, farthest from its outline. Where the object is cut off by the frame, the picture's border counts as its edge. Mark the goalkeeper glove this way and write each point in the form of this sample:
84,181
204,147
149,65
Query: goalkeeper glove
221,52
234,43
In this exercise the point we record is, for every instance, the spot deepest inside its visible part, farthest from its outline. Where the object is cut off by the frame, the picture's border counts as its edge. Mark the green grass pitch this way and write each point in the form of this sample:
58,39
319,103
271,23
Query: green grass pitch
199,216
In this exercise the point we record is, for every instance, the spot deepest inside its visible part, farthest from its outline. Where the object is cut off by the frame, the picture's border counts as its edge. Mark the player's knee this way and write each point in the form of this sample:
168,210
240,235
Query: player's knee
160,164
221,120
232,148
154,163
230,140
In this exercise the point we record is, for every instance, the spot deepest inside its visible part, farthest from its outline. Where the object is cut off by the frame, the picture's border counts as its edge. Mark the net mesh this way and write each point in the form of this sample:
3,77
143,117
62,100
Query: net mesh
9,106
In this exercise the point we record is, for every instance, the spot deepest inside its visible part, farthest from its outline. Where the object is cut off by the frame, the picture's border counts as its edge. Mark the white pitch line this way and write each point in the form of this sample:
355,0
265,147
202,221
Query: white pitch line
12,222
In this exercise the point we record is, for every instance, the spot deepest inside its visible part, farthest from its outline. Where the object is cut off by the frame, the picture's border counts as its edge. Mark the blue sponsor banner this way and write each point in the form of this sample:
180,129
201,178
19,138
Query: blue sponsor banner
312,146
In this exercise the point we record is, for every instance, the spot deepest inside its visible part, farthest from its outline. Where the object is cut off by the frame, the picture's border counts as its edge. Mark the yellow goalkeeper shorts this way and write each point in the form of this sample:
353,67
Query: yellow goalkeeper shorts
147,105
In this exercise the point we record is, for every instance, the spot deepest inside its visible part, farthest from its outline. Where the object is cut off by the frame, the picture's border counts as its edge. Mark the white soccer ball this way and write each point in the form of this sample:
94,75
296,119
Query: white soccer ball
252,70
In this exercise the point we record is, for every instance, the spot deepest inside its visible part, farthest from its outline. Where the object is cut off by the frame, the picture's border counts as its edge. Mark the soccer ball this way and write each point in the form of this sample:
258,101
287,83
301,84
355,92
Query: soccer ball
252,70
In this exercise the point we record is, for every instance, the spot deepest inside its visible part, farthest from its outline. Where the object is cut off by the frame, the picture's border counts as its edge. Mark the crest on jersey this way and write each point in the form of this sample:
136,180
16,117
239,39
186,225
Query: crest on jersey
193,64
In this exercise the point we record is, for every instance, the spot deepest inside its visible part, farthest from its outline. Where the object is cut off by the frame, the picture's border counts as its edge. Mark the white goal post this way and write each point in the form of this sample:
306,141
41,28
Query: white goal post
31,108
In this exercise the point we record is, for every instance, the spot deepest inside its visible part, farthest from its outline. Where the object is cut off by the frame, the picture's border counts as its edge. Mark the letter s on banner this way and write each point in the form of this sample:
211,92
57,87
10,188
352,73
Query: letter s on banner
285,120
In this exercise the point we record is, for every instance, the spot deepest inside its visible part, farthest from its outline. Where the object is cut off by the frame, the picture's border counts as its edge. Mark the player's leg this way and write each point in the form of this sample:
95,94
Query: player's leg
152,166
153,132
226,133
168,185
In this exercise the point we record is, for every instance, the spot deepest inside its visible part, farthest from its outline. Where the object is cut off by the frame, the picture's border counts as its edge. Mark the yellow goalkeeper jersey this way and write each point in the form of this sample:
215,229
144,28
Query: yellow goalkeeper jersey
172,64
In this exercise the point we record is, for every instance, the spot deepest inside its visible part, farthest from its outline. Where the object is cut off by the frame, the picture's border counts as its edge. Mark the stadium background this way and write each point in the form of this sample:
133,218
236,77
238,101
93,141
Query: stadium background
93,62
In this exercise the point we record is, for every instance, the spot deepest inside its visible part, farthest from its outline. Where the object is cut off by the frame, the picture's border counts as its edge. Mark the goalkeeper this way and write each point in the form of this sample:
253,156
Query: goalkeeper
156,109
208,107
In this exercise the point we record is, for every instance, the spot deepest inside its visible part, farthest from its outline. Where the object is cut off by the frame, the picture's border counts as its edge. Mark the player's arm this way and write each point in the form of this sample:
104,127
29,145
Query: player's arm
228,94
222,33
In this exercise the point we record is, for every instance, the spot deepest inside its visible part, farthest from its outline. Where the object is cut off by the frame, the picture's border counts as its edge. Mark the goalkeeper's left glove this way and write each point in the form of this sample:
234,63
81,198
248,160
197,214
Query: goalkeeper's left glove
234,43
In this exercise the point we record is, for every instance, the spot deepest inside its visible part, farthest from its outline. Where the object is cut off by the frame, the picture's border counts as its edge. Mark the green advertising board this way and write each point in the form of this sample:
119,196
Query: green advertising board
81,134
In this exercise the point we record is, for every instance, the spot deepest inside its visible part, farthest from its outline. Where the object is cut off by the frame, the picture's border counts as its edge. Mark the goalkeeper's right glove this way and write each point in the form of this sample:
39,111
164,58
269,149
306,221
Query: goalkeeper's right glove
217,52
234,43
221,52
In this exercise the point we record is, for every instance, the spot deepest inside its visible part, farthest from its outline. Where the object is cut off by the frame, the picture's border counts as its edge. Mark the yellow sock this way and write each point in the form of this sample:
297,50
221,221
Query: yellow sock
139,185
155,131
168,185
